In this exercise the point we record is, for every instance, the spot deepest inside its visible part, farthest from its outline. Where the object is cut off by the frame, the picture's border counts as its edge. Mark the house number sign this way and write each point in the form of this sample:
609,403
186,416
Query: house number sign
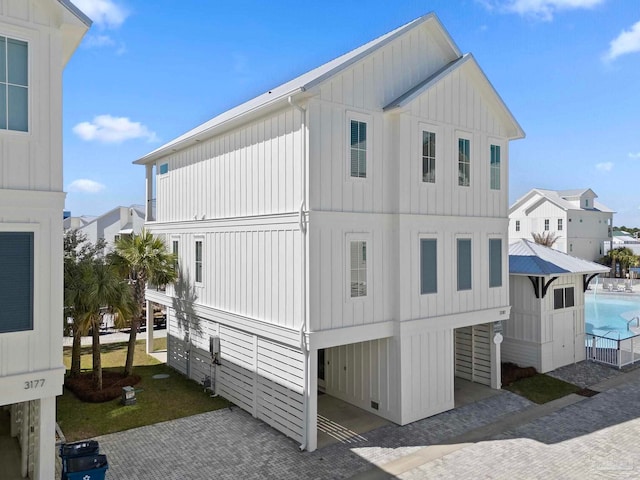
38,383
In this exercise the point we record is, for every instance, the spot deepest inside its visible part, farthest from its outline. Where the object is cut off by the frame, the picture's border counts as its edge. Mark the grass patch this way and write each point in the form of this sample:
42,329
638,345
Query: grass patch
542,388
158,400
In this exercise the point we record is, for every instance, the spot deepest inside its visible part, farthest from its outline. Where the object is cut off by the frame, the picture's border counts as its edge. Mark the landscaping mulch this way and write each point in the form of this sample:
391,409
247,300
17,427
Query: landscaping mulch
112,383
587,392
512,372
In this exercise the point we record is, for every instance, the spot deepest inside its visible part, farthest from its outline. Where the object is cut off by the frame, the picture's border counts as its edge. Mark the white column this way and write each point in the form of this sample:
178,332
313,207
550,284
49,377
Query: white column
311,398
46,443
149,327
496,367
149,194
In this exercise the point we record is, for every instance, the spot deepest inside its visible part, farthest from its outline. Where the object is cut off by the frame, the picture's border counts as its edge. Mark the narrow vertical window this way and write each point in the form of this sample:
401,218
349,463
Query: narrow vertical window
464,163
559,224
198,261
16,281
586,203
428,157
358,149
495,167
464,264
517,225
428,266
546,224
495,262
358,254
174,250
14,86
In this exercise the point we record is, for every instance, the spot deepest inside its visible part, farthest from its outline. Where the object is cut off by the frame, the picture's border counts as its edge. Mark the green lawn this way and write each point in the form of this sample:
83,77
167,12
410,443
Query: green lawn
158,400
542,388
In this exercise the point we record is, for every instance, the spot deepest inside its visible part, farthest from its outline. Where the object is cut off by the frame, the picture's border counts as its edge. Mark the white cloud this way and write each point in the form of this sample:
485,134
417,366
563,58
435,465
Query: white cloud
634,155
84,185
627,42
96,41
104,13
542,9
605,166
108,129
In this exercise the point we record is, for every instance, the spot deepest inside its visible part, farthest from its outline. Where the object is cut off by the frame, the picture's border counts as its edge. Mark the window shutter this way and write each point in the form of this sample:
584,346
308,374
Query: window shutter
16,281
495,262
428,266
464,264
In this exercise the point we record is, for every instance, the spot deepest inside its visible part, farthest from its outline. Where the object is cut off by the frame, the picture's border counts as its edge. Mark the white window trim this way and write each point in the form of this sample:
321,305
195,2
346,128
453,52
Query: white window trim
19,34
198,238
358,117
168,169
356,237
429,127
498,143
439,265
462,134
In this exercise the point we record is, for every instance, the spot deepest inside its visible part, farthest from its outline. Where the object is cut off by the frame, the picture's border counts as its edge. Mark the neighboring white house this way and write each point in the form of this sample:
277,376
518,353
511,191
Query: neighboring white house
344,231
37,38
582,224
74,223
624,240
546,329
120,221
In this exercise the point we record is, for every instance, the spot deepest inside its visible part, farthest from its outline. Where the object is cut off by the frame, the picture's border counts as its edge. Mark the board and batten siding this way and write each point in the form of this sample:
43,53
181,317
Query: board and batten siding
249,269
251,170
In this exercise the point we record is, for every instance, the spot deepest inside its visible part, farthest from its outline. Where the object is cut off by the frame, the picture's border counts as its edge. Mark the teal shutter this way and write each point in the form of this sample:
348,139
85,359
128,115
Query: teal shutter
16,281
495,262
464,264
428,266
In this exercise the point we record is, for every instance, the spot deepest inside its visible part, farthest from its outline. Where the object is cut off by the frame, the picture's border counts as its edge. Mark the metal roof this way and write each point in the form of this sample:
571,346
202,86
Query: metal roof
529,258
77,12
559,198
297,85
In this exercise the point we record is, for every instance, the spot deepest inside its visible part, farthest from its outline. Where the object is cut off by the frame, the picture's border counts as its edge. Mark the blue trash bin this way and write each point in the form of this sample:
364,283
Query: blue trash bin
83,461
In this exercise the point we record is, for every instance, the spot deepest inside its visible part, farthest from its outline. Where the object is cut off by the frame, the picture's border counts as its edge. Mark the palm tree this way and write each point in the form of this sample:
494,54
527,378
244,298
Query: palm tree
146,259
545,238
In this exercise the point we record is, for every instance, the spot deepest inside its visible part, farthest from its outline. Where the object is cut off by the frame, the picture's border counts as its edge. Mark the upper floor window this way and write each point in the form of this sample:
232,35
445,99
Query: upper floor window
495,167
517,225
428,265
164,168
16,281
358,149
559,224
495,262
14,85
358,268
464,162
428,157
174,249
198,264
546,224
464,264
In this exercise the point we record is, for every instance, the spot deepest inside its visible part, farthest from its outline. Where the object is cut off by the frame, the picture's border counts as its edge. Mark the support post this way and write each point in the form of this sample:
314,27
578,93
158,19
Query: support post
46,441
496,366
311,398
149,327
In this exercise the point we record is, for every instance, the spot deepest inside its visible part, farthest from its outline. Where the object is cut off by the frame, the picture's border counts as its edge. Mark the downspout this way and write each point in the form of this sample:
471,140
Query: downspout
303,231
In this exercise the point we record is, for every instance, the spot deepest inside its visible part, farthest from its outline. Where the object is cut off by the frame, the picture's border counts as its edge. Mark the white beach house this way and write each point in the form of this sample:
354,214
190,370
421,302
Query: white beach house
345,231
37,38
582,224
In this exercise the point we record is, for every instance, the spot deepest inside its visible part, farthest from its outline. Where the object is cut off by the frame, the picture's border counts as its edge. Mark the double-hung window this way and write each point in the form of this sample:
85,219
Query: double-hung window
464,263
14,85
559,224
495,262
16,281
358,149
428,157
428,265
198,264
517,225
464,162
495,167
358,268
546,224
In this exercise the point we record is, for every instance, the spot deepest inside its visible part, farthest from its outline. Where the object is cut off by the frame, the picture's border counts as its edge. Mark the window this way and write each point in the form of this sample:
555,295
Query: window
428,265
517,225
174,250
14,86
559,224
198,261
358,149
586,202
571,247
464,163
563,298
464,264
495,262
428,157
546,224
16,281
358,268
495,167
164,168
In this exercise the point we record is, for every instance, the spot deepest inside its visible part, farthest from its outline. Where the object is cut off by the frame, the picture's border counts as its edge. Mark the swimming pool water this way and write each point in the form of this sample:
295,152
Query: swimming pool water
607,315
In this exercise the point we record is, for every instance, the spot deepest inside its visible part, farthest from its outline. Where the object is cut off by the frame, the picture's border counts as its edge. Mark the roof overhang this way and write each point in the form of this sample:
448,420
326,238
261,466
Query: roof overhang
73,27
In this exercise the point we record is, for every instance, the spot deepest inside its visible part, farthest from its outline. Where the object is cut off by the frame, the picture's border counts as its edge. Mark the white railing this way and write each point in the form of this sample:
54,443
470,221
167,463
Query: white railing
611,351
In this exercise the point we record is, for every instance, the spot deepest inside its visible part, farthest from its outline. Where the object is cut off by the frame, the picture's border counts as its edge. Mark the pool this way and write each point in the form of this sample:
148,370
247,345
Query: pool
607,315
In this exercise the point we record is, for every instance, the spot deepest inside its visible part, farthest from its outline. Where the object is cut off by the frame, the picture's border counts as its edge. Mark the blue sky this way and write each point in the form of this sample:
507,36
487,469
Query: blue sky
147,72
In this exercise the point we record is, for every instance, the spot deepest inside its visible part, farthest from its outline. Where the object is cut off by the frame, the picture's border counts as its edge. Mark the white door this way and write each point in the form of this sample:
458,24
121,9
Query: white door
563,339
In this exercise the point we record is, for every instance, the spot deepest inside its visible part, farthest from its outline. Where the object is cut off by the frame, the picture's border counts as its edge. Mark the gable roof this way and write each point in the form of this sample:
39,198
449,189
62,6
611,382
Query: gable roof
278,96
77,12
558,198
468,61
529,258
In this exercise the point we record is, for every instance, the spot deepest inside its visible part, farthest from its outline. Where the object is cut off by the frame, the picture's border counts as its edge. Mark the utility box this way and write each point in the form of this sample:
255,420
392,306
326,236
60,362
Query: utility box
128,396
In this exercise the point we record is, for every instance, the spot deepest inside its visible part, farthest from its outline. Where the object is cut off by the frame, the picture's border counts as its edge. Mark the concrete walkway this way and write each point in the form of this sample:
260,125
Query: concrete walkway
504,436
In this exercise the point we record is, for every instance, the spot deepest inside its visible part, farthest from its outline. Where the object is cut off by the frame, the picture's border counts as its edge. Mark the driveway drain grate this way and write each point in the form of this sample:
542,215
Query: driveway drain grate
586,392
